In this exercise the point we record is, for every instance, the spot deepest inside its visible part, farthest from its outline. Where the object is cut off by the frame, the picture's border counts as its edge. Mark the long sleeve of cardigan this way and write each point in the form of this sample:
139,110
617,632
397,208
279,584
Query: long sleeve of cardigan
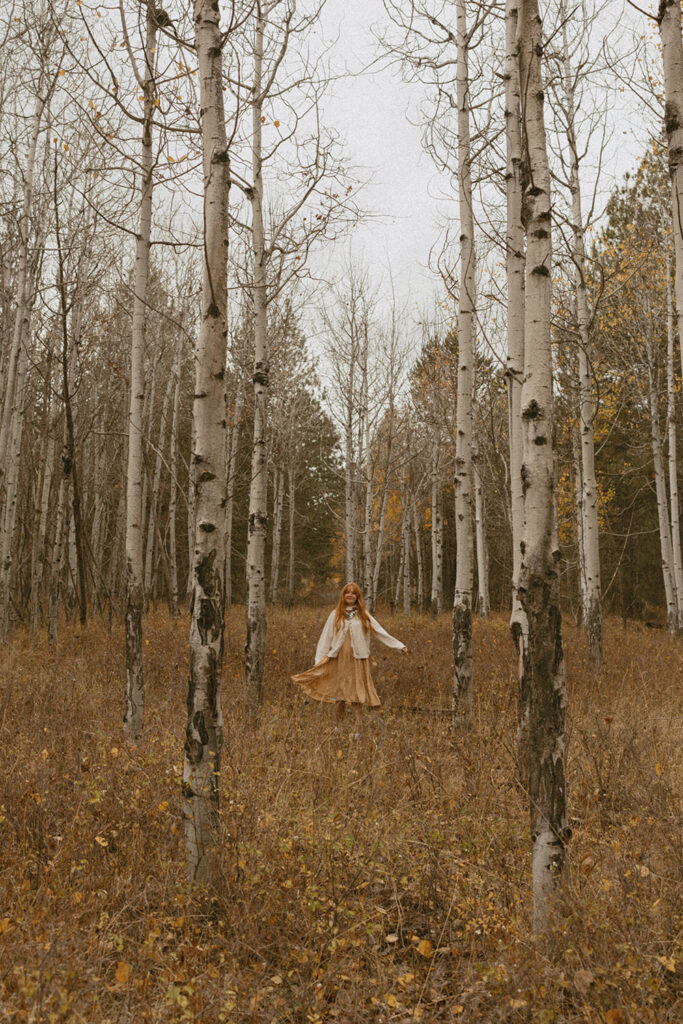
325,641
382,635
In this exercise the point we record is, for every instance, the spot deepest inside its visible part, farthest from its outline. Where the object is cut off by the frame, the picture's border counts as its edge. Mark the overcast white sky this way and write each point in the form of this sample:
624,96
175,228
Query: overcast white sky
407,195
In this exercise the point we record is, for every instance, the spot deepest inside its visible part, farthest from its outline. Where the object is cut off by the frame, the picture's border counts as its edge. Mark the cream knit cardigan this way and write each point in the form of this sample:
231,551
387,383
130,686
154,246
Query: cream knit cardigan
331,640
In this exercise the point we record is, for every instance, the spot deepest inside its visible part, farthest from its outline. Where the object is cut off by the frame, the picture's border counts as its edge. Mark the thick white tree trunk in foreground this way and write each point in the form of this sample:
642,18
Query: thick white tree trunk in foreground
463,695
539,585
204,731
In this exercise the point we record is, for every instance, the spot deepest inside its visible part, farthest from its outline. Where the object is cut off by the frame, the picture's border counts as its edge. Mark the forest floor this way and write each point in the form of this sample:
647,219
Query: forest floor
384,878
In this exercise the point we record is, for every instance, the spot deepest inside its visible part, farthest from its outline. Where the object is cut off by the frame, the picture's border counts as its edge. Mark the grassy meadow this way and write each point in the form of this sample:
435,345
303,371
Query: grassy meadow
384,878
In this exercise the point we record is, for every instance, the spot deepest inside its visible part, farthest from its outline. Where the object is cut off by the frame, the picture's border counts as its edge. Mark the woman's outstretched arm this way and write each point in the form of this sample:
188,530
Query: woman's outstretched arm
386,638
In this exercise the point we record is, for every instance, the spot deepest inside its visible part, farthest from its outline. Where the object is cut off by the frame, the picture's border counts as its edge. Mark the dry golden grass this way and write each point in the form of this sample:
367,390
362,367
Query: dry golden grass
378,879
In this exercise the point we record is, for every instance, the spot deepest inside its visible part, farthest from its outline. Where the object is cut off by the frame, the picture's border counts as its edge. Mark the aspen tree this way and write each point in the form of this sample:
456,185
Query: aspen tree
436,526
669,21
204,732
588,506
514,269
463,694
258,509
539,589
676,558
483,600
135,596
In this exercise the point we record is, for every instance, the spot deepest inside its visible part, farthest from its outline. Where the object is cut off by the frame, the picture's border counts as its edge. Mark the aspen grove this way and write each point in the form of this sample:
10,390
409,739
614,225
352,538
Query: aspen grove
297,293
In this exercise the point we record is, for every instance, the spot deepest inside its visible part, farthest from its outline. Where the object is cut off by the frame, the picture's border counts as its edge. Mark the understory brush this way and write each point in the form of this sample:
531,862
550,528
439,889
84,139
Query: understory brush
380,878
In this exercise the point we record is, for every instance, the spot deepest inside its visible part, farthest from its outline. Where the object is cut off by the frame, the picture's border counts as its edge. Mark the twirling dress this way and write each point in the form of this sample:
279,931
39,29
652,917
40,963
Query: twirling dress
339,673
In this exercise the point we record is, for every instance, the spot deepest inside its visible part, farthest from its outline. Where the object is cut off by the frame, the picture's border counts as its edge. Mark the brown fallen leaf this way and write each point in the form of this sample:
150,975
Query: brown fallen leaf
583,981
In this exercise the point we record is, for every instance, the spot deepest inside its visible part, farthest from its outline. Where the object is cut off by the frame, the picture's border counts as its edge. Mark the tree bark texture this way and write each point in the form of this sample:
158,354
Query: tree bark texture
255,646
463,693
204,731
515,268
539,584
591,589
135,596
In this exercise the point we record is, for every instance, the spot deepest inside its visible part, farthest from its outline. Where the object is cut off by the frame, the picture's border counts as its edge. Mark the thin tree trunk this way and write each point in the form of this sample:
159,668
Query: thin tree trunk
463,692
278,502
135,510
539,587
152,525
592,597
8,518
258,509
232,475
483,601
418,557
367,504
57,563
40,526
406,549
436,533
204,731
665,542
173,486
291,509
579,517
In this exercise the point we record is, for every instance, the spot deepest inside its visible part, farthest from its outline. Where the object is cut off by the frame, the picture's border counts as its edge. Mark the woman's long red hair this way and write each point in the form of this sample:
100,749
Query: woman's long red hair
361,610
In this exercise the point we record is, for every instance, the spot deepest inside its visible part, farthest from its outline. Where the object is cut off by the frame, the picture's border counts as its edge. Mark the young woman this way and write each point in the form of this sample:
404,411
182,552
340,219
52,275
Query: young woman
341,673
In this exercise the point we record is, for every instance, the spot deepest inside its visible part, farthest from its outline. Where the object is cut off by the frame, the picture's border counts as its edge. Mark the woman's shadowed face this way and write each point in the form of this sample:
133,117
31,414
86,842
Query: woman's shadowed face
350,596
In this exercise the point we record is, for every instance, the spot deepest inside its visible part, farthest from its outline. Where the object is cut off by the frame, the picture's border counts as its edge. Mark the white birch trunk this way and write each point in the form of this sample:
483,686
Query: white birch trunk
463,694
592,596
173,486
665,543
204,731
135,595
539,585
677,561
419,559
406,550
436,598
152,525
483,601
230,503
9,513
278,503
258,510
367,510
349,495
515,270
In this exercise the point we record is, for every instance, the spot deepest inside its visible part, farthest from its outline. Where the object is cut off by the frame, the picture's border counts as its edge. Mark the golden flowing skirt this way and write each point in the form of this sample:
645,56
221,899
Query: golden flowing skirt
342,678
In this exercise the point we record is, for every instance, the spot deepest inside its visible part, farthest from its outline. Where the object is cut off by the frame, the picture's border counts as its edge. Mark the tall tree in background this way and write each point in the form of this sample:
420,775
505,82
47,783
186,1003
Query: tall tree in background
669,20
135,596
463,696
539,572
574,61
204,731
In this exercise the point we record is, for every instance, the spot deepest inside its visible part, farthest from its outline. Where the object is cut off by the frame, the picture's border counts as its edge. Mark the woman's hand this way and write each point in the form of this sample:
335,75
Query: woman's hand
404,650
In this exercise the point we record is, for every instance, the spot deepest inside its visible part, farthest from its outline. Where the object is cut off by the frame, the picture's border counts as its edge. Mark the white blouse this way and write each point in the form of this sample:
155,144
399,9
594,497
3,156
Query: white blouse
331,640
